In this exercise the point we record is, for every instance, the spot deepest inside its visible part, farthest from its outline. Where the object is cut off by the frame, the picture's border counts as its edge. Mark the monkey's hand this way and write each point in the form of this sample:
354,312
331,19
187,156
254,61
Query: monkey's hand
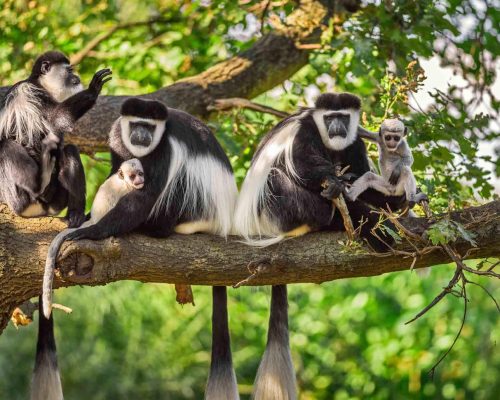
348,177
75,218
98,81
395,175
48,161
333,188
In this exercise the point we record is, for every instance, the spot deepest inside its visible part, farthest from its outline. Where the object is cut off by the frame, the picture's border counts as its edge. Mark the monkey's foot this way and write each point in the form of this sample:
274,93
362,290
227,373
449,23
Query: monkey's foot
75,219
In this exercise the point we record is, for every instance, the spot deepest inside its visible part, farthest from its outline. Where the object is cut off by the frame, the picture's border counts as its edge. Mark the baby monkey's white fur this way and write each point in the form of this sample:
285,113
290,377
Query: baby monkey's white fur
392,155
129,177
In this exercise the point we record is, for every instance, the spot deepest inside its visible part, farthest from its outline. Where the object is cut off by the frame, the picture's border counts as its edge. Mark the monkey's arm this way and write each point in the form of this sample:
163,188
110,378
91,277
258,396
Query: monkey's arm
369,135
315,169
131,211
406,160
73,108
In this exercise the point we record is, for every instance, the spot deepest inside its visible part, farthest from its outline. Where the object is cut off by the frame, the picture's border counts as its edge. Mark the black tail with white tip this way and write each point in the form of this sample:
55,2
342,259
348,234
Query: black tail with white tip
46,384
276,377
221,383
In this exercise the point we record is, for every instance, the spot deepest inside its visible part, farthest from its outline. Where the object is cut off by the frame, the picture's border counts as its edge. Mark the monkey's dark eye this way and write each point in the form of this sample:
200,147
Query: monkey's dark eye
392,137
140,173
132,176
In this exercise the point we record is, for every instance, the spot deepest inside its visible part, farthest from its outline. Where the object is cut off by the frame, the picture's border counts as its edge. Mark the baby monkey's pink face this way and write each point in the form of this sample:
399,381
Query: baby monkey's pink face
132,173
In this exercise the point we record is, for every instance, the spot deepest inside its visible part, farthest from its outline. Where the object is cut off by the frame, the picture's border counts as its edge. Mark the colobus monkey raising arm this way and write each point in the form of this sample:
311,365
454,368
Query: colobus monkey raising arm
284,195
189,188
395,161
129,177
40,175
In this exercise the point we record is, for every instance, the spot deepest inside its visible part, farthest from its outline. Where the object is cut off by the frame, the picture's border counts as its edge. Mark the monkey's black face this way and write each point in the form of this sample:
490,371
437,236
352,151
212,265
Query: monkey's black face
337,124
71,78
392,139
141,134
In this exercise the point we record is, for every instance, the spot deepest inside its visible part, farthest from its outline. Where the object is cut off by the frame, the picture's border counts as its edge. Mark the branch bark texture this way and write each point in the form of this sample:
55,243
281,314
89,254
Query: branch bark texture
205,259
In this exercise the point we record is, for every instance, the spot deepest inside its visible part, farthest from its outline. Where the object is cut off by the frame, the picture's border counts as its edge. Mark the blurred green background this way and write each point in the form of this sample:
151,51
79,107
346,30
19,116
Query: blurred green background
434,63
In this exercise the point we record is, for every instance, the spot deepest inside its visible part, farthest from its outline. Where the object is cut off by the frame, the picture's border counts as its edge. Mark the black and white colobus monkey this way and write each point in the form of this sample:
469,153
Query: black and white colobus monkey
189,188
130,176
40,175
284,195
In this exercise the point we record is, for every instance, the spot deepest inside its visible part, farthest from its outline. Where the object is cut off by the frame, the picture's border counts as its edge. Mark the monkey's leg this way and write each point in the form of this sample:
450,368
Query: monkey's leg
20,180
72,178
369,180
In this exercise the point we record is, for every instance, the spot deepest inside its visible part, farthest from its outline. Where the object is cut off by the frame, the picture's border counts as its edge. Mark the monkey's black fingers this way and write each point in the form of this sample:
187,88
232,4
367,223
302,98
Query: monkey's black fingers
350,176
97,81
75,219
334,188
101,84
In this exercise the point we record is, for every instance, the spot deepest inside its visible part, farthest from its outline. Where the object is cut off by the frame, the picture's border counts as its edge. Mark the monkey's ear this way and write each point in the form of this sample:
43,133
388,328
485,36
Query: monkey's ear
45,68
120,174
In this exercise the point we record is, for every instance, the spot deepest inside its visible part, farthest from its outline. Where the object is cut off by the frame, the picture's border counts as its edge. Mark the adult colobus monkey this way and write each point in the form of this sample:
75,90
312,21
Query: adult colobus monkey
129,177
287,192
189,188
39,174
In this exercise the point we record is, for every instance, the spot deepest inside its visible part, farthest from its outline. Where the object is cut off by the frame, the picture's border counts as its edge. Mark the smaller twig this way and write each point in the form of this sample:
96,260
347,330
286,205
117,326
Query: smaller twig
469,252
237,102
487,292
479,272
309,46
426,208
389,215
464,295
255,269
493,266
440,296
340,204
67,310
458,260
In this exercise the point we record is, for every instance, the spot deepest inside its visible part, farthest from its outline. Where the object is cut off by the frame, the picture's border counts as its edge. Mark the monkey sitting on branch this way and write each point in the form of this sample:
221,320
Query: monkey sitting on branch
129,177
395,161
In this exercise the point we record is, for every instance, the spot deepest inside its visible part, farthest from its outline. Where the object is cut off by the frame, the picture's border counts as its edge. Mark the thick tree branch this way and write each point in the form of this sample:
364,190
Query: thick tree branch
206,259
273,58
237,102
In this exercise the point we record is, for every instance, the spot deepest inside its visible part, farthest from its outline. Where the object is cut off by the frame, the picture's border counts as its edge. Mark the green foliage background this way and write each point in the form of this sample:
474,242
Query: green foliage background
349,341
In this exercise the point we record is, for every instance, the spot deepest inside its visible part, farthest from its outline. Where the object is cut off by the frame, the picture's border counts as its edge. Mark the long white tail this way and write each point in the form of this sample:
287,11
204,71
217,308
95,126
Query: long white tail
276,377
50,265
221,383
46,383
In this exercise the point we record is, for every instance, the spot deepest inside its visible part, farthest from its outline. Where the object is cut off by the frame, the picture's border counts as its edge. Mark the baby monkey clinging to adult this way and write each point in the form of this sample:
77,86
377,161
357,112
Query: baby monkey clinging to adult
129,177
395,161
